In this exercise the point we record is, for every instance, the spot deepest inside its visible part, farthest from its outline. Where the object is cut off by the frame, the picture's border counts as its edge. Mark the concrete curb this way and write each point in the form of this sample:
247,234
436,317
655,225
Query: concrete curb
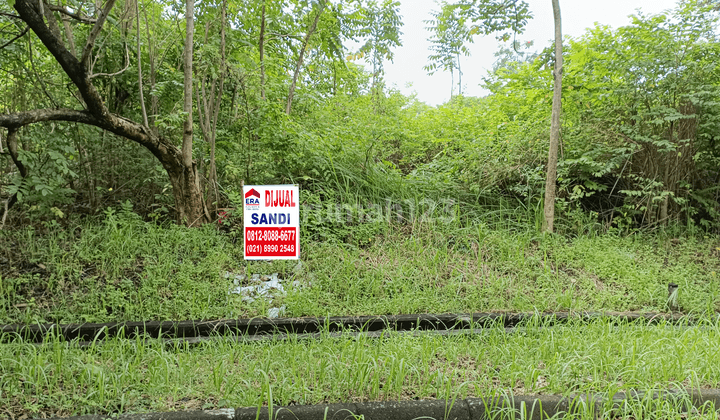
186,330
535,407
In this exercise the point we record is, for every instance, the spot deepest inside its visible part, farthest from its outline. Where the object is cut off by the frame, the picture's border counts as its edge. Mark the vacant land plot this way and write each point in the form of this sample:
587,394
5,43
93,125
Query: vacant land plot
124,269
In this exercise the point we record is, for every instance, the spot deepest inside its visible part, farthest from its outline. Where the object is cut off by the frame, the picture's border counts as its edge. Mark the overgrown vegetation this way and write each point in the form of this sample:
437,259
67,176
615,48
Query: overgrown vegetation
122,268
639,146
405,208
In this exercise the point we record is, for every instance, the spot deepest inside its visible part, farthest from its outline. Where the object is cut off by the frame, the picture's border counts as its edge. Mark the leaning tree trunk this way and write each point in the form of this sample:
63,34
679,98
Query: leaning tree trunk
178,163
299,63
554,124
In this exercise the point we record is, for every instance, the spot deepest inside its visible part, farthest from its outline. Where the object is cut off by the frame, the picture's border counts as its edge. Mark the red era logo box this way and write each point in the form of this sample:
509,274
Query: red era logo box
272,222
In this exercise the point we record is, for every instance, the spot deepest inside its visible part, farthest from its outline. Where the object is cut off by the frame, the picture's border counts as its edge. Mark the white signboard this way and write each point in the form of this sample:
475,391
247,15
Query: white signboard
272,222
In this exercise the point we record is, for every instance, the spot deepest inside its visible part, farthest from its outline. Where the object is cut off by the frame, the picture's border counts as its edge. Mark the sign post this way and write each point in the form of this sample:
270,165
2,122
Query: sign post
271,219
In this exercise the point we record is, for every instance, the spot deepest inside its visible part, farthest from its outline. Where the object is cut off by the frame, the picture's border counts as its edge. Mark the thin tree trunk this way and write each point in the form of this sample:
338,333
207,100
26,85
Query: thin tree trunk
551,178
218,102
188,84
151,59
69,35
187,178
291,93
13,151
459,76
139,64
666,159
452,82
261,43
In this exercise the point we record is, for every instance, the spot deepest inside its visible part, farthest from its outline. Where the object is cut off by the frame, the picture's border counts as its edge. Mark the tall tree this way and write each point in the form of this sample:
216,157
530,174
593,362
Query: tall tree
177,162
449,36
551,177
209,93
381,28
301,56
494,16
450,30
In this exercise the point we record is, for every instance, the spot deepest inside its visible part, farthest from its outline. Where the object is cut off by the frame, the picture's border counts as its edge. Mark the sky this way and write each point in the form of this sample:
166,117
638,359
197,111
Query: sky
406,71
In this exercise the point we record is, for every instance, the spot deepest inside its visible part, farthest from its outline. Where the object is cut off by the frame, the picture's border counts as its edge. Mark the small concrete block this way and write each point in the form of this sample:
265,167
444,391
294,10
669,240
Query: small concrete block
409,410
300,412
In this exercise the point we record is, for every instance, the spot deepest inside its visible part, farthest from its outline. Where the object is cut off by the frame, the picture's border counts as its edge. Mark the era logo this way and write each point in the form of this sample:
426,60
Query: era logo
252,198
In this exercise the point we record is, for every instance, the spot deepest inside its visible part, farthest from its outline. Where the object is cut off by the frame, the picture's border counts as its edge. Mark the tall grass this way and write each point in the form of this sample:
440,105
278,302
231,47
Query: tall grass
137,375
121,268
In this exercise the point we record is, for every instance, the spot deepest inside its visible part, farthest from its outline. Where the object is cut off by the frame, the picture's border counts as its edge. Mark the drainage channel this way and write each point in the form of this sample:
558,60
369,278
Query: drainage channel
497,406
310,327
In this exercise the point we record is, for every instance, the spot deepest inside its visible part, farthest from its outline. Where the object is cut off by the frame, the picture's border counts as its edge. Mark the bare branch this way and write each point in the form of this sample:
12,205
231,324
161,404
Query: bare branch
16,38
69,35
51,20
13,149
162,148
10,15
94,32
5,213
127,66
77,16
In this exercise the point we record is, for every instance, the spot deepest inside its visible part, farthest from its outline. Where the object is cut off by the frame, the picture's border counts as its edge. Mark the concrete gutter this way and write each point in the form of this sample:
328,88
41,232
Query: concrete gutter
535,407
199,329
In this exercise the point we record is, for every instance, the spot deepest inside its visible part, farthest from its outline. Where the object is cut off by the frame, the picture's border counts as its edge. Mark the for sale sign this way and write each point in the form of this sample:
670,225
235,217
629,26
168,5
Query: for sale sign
272,222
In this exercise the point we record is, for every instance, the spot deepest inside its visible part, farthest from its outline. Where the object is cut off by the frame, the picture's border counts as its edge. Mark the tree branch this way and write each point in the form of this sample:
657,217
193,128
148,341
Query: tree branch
10,15
51,20
87,51
261,43
66,12
13,149
69,35
162,148
127,66
16,38
28,10
20,119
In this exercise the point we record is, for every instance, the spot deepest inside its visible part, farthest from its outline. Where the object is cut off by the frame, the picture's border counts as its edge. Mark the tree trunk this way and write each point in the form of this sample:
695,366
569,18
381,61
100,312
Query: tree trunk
151,58
291,93
554,124
188,93
177,163
209,108
139,64
189,202
13,151
261,43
